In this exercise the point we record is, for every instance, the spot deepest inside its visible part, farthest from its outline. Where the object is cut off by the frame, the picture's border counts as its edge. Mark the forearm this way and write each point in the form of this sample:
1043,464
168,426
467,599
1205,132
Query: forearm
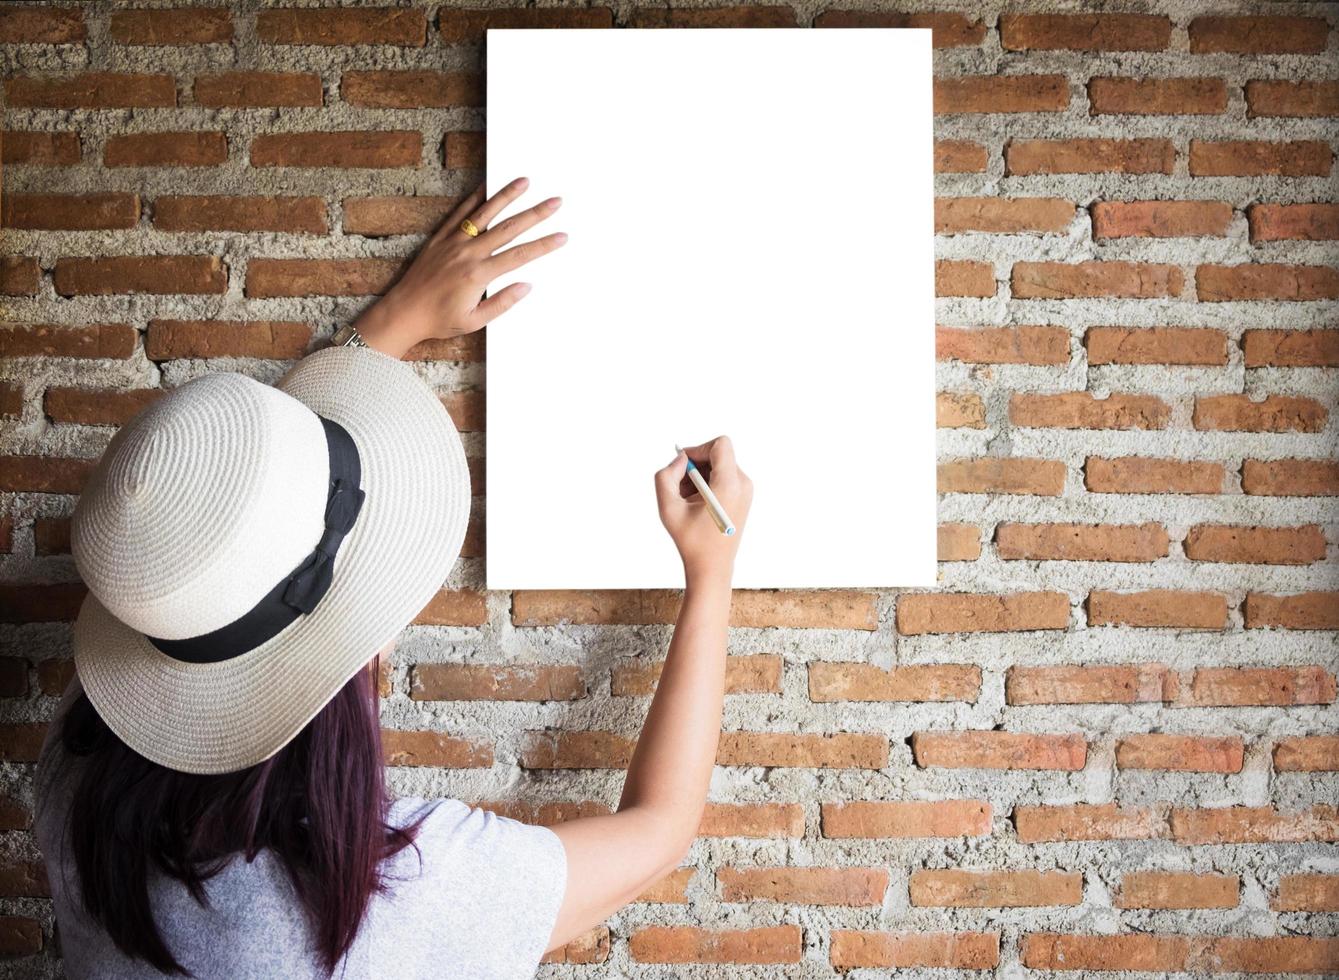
670,770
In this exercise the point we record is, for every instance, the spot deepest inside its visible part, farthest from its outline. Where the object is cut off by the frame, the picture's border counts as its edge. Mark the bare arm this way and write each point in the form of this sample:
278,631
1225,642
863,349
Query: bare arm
612,859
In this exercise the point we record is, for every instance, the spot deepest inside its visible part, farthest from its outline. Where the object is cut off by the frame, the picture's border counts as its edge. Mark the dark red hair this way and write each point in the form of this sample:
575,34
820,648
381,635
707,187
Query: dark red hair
319,805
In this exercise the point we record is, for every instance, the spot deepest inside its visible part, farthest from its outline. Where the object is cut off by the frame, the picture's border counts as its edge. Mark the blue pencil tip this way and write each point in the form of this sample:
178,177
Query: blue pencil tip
729,531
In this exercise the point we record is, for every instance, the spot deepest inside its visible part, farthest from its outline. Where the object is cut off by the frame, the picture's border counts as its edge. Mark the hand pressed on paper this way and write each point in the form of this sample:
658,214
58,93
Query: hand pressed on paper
705,551
441,294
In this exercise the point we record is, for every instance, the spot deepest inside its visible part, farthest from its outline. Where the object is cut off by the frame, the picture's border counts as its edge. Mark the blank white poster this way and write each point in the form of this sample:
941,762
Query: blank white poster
751,229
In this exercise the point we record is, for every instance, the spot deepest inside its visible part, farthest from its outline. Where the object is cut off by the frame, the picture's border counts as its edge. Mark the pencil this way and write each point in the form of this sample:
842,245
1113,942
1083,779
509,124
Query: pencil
714,507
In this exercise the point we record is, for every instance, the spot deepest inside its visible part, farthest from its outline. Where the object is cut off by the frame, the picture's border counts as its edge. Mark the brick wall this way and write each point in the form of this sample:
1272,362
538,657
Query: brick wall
1108,741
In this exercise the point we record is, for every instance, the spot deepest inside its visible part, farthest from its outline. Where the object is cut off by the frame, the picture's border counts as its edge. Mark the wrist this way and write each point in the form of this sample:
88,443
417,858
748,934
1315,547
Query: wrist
708,576
384,329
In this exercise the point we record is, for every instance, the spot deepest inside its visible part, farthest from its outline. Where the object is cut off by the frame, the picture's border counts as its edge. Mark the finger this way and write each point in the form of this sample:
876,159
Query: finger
668,478
518,255
722,455
499,303
501,234
495,205
463,207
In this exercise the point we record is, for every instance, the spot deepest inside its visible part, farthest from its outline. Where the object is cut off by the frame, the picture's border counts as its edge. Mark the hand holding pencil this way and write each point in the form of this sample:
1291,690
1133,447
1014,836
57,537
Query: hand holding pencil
704,500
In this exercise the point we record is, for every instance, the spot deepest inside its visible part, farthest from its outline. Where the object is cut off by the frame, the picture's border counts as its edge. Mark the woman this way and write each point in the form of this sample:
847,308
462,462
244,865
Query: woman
211,797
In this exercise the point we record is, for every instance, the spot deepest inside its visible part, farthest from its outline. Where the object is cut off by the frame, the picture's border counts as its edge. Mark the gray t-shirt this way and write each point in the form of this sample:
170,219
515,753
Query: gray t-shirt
480,905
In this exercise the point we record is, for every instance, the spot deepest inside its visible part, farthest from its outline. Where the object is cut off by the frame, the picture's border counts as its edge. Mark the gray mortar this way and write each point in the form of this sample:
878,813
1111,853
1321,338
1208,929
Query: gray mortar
597,649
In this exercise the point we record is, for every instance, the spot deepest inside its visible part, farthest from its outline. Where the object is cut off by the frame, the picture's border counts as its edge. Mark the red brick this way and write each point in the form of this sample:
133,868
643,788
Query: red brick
21,742
13,677
271,278
183,149
203,212
70,212
11,402
29,24
54,676
958,156
1094,280
958,888
157,274
470,347
948,30
97,406
277,339
91,90
23,879
960,612
1121,684
55,149
1297,99
466,409
669,890
424,748
480,682
1177,890
998,750
781,749
1136,474
1291,222
1308,893
345,150
690,944
1160,219
381,216
1290,477
1089,156
589,947
43,474
467,26
959,542
1081,821
51,535
19,275
1156,345
1258,35
98,340
1157,96
959,410
961,950
1305,611
954,277
1003,345
464,150
1139,952
1254,825
1259,158
1291,348
822,609
757,674
1082,542
906,819
1001,474
399,26
1158,608
1180,753
909,682
545,814
1002,215
257,89
191,25
576,750
411,89
1250,686
1084,32
1275,413
1313,753
1262,281
1082,410
20,935
1001,93
752,820
454,607
741,16
804,886
1255,545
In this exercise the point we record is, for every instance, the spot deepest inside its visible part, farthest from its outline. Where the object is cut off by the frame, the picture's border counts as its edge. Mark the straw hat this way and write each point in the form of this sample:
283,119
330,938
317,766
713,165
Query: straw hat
248,548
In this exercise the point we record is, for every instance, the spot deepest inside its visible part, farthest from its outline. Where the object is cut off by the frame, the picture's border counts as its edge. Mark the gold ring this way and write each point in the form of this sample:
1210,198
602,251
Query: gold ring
469,228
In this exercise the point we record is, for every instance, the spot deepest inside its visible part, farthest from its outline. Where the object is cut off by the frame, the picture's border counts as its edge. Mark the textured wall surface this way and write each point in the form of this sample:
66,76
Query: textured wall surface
1108,741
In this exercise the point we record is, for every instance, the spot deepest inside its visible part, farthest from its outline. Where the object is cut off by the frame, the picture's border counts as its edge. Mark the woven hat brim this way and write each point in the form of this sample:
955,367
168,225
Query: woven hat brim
221,717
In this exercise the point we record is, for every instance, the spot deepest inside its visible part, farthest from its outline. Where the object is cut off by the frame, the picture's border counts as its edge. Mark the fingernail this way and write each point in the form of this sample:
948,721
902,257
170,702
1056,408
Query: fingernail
522,181
561,238
554,203
524,288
